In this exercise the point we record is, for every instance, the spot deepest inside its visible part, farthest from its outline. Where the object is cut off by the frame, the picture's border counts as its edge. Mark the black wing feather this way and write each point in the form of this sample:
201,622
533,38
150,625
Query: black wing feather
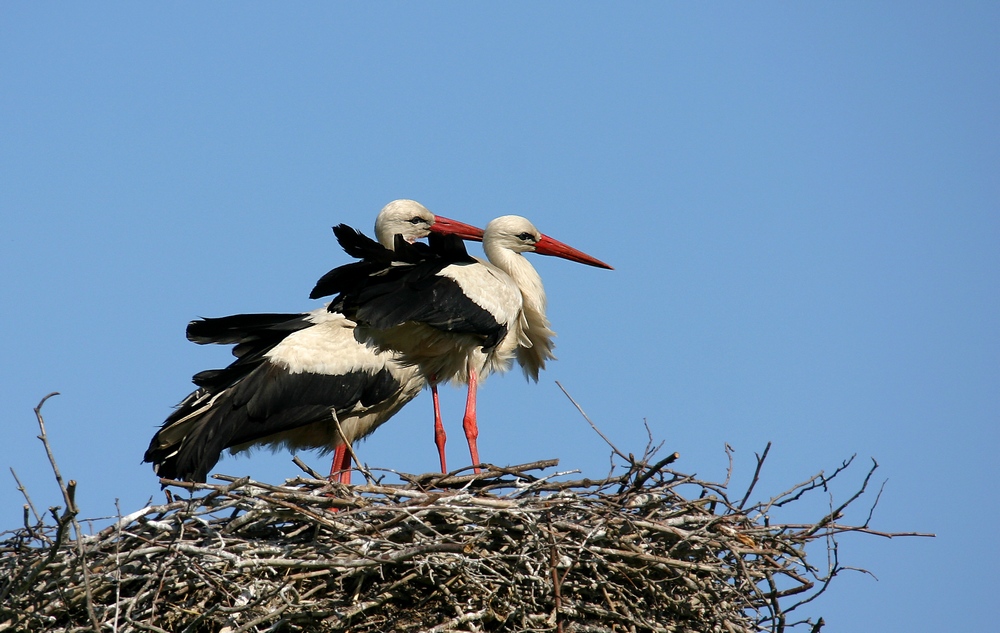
243,328
267,401
432,299
391,287
254,335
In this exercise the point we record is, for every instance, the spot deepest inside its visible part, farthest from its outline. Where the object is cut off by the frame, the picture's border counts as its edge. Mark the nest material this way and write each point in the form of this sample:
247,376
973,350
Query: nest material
501,551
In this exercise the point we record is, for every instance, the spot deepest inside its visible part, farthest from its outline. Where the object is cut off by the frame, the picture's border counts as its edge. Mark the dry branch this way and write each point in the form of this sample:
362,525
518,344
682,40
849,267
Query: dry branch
505,550
501,551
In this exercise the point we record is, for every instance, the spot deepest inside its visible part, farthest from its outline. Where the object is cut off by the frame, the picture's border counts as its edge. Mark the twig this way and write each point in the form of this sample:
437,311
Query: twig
641,480
756,475
837,513
306,468
48,450
819,480
729,469
69,495
24,491
118,568
350,450
488,473
594,426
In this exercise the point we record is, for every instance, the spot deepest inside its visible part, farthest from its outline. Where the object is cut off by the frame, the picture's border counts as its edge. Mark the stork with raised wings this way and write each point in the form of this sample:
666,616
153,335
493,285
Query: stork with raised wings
295,376
455,317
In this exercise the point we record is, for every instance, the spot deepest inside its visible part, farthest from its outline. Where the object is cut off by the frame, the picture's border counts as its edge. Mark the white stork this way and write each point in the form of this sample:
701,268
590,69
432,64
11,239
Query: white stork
293,374
455,317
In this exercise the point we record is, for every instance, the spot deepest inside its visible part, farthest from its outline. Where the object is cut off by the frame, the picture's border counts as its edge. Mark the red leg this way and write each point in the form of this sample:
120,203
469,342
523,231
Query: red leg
341,464
338,456
345,468
439,435
469,421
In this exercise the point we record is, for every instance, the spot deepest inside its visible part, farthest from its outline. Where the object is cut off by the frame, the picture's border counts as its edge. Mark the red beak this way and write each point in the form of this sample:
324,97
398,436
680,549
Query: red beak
549,246
446,226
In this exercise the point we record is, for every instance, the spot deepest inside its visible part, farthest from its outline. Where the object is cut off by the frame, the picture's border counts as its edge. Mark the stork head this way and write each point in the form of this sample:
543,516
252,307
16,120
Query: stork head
413,221
517,234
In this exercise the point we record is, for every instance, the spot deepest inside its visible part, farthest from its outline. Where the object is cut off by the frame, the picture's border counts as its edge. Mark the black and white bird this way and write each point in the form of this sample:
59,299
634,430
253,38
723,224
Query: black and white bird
295,376
456,317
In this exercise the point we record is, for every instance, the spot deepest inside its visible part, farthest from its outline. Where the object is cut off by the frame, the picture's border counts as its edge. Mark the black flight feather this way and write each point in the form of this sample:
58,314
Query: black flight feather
266,401
387,287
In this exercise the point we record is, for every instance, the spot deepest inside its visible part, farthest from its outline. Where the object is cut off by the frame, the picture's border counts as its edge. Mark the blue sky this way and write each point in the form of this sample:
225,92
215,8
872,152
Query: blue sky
800,201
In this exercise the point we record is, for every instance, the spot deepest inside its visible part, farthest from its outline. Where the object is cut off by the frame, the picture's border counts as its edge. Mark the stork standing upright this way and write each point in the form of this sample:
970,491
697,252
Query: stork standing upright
295,376
455,317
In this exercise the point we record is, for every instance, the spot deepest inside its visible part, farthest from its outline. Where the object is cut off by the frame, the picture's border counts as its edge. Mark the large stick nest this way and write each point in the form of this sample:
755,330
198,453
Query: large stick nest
501,551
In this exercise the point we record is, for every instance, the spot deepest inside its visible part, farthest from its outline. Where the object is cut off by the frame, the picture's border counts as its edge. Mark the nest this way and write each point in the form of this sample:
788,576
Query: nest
650,549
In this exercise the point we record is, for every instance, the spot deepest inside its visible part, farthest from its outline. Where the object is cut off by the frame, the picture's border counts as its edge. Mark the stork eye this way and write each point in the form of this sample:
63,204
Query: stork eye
526,237
415,221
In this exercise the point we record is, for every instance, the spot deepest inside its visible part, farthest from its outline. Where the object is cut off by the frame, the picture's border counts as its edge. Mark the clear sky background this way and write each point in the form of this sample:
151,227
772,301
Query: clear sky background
800,201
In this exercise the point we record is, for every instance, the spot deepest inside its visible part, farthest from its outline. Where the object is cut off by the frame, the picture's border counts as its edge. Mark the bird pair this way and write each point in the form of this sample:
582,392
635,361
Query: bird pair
404,316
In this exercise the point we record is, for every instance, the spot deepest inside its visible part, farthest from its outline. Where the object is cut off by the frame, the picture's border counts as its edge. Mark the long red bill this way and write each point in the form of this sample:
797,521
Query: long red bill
446,226
549,246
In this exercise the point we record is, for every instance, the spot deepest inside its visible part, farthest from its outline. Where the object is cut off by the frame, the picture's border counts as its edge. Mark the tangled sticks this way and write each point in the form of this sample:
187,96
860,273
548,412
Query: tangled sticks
503,550
650,549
